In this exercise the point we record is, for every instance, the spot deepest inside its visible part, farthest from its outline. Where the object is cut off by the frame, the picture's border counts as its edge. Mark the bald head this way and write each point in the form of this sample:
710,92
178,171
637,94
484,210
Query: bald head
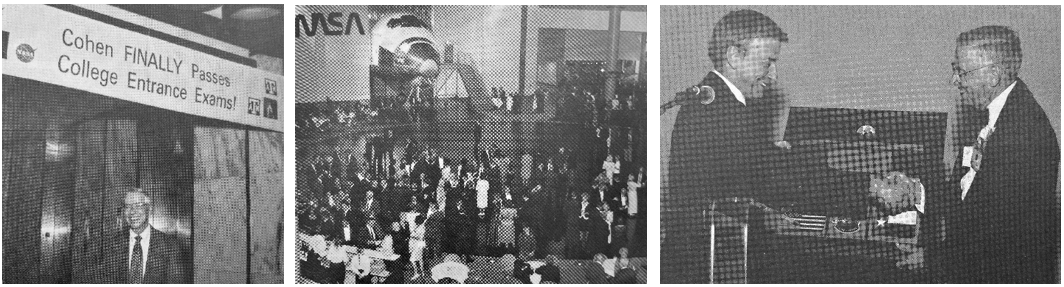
599,257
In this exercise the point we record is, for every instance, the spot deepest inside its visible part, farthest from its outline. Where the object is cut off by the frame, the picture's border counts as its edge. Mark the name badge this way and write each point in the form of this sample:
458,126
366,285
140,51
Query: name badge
301,255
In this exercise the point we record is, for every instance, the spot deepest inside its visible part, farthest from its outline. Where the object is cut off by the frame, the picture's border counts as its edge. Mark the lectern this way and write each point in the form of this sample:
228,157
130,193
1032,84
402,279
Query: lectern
850,202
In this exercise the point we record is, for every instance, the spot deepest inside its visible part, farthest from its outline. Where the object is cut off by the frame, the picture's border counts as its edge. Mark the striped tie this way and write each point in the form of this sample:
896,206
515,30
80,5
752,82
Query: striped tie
136,266
979,121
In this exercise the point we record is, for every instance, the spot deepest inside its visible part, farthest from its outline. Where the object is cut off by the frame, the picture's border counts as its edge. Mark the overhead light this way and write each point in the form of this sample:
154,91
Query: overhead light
55,151
216,12
252,12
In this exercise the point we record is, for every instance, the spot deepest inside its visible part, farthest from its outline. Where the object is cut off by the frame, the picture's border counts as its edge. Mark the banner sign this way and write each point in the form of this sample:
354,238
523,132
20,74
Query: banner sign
54,46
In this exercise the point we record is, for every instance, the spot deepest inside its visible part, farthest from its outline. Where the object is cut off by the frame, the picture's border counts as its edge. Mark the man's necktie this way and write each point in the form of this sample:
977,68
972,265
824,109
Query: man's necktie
982,118
136,266
978,120
972,121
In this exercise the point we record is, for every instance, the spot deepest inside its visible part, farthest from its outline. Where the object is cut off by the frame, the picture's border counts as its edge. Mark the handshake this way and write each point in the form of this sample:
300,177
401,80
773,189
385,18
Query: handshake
896,192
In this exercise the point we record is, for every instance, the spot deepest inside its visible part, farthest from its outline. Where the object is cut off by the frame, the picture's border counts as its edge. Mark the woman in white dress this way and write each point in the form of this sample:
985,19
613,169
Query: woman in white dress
417,245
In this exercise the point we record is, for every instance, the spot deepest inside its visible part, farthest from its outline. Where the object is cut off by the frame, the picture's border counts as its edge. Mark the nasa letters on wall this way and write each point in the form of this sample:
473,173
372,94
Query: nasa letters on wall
332,52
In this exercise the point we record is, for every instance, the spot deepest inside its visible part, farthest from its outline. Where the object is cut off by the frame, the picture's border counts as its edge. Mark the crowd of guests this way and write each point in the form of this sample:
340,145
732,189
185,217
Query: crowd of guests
330,115
572,104
576,104
427,208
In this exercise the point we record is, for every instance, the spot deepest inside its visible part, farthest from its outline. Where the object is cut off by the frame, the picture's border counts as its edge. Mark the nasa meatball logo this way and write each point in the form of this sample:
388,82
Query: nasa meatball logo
24,53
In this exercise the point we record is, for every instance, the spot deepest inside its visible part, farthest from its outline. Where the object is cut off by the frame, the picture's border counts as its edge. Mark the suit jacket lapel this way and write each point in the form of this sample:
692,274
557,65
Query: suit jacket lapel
152,268
1004,129
720,88
123,252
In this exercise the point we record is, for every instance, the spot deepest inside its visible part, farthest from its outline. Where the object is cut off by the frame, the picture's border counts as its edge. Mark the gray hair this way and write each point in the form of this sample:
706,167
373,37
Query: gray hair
136,191
999,43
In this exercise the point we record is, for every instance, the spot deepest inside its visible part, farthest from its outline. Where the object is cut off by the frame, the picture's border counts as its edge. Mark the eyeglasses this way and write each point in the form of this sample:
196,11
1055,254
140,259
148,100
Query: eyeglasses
135,206
960,73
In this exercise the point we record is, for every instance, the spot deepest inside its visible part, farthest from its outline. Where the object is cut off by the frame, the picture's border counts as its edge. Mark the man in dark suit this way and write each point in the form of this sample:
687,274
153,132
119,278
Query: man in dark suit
356,170
522,270
598,232
421,166
369,234
594,272
434,231
369,206
433,170
461,224
1004,224
719,139
579,222
550,272
360,188
142,254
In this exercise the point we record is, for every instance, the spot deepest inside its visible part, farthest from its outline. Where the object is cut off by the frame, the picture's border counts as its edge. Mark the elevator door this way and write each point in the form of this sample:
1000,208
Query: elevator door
56,206
103,169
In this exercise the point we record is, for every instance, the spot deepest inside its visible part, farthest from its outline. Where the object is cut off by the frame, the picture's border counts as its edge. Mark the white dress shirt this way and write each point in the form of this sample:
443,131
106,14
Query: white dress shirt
145,238
583,209
360,262
608,217
734,90
610,169
994,108
482,193
998,104
372,232
368,205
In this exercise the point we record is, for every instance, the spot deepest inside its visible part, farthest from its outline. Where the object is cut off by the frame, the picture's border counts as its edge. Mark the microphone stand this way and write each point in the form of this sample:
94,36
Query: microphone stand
684,96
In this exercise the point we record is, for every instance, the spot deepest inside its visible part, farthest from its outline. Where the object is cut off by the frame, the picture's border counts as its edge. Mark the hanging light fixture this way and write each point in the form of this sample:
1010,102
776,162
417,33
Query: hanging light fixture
249,12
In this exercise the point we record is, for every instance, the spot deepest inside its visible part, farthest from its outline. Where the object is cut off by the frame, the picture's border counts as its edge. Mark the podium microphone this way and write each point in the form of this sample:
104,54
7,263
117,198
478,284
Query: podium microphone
691,96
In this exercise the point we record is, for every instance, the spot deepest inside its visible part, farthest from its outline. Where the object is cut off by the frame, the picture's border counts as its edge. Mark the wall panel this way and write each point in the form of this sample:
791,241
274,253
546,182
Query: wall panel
220,225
